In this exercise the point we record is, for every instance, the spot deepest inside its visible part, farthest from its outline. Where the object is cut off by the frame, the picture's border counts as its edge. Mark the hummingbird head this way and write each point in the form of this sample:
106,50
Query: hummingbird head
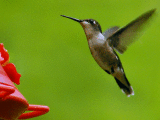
90,26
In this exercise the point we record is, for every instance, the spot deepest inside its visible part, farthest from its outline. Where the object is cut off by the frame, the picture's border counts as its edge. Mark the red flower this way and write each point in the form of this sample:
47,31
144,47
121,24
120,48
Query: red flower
4,56
9,68
12,102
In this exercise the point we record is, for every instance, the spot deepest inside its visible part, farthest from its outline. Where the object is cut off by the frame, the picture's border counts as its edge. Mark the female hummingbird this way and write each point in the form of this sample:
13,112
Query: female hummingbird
103,45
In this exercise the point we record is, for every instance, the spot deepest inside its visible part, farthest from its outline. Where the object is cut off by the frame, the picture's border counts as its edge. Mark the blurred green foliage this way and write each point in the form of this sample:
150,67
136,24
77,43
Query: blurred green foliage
57,69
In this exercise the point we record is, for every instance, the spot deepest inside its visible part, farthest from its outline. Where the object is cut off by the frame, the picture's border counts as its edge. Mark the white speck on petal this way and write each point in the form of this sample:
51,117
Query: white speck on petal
1,58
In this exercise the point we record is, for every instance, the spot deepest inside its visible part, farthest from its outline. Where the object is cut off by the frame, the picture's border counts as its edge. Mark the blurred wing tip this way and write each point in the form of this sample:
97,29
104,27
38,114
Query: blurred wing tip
154,9
150,13
125,36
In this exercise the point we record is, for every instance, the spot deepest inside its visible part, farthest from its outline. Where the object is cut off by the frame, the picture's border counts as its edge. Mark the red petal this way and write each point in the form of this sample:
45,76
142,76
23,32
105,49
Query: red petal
37,110
12,73
4,56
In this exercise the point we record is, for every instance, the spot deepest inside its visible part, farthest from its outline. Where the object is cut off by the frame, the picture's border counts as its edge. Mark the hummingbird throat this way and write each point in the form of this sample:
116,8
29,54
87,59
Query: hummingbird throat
89,31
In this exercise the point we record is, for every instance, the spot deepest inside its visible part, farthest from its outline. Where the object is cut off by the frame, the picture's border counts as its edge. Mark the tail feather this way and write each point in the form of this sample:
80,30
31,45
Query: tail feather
127,89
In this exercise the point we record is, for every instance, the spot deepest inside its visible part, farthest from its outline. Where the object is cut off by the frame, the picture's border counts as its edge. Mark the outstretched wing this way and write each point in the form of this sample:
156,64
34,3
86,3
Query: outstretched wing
123,37
110,31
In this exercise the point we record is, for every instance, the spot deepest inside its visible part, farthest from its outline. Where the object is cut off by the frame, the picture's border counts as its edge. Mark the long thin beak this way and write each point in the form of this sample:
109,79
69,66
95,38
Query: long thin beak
72,18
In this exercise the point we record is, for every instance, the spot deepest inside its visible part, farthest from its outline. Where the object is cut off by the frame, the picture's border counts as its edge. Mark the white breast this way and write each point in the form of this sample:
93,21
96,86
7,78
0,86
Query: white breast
100,38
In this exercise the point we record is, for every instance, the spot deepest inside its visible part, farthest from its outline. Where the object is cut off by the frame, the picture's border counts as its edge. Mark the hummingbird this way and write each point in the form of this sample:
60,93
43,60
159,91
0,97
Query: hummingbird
103,45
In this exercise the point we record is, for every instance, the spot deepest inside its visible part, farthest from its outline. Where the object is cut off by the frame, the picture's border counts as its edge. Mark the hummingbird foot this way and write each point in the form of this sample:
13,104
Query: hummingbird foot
112,71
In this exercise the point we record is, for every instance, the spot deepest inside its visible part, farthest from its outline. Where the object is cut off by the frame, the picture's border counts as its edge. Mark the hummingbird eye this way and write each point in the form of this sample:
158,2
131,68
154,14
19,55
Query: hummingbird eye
95,24
92,22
